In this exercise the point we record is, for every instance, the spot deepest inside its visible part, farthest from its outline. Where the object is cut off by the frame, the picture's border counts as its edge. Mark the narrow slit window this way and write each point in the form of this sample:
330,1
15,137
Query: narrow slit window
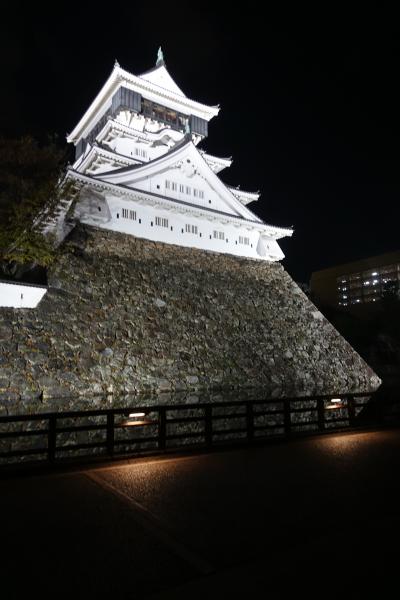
244,240
161,222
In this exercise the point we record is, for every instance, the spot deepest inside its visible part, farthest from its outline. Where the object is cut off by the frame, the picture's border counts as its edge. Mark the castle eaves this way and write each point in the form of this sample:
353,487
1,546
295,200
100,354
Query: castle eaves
149,89
97,182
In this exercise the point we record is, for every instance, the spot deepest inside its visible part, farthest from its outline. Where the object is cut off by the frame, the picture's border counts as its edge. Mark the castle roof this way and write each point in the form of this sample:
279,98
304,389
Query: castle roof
156,85
187,158
183,155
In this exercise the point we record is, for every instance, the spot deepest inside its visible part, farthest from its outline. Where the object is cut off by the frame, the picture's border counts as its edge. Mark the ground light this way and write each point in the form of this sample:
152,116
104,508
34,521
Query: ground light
335,403
136,418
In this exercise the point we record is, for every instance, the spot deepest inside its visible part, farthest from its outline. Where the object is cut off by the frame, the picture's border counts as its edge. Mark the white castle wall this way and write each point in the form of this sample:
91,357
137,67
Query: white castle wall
115,215
19,295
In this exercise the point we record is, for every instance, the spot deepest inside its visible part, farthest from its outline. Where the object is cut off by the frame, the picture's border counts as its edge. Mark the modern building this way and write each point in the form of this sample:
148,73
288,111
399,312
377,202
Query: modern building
358,283
139,170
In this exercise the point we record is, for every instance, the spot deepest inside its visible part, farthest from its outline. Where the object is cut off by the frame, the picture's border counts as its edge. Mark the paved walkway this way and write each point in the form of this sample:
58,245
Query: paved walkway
318,515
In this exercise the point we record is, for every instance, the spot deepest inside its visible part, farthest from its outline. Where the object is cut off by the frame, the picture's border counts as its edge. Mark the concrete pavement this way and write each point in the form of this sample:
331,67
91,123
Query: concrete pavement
318,515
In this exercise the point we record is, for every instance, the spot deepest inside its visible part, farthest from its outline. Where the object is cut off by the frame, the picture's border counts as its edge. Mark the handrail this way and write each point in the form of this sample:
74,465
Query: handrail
239,420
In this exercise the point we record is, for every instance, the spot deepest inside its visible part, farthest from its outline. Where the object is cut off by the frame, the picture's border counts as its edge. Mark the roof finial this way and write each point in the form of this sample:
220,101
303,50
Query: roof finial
116,63
160,57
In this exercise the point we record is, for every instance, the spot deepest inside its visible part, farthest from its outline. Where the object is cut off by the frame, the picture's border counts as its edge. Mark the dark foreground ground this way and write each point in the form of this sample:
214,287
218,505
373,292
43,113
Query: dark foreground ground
318,516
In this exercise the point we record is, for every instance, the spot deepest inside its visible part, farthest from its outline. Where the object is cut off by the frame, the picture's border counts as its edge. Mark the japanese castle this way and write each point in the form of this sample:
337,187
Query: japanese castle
139,170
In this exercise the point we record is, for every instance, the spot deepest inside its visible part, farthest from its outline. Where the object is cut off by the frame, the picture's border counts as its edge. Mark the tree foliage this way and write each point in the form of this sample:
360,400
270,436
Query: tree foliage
30,195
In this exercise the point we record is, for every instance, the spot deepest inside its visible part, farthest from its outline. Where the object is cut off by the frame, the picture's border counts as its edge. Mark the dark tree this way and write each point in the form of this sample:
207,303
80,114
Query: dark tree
31,193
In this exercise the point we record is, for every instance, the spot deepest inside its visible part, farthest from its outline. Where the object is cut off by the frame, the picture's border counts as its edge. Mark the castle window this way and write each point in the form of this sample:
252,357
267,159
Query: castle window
191,229
244,240
140,152
99,207
201,194
161,222
167,185
219,235
174,186
195,193
188,190
181,187
129,214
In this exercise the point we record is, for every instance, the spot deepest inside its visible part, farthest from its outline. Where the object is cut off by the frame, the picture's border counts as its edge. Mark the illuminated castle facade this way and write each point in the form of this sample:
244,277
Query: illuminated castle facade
139,171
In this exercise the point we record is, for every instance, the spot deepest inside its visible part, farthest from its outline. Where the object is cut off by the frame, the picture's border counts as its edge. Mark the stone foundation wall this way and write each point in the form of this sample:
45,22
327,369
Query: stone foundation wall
125,315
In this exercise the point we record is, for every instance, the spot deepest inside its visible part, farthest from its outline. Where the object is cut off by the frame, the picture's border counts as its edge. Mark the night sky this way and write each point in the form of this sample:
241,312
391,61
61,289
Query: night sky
309,108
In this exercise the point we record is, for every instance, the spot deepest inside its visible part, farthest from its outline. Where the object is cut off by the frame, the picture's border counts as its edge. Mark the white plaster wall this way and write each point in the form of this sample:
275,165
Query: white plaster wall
145,215
15,295
157,185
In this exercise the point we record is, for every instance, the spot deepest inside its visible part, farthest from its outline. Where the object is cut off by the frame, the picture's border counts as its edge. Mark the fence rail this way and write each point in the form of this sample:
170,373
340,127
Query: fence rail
107,432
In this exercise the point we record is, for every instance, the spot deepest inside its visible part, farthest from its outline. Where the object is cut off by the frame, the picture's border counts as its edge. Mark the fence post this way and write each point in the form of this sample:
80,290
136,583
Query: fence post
321,413
208,424
250,421
351,410
52,435
110,433
287,421
162,427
